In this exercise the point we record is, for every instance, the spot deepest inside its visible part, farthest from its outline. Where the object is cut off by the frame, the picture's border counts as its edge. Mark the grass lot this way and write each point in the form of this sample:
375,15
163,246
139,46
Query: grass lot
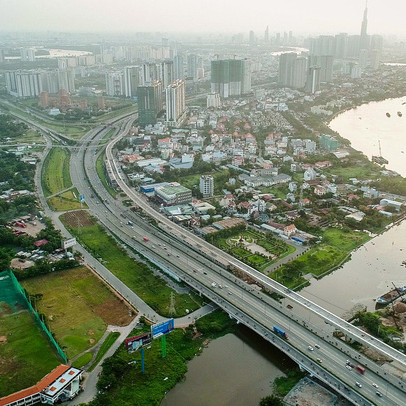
55,172
27,355
136,275
30,136
359,172
107,137
70,131
336,246
101,172
78,307
220,179
107,343
273,246
66,201
116,113
82,360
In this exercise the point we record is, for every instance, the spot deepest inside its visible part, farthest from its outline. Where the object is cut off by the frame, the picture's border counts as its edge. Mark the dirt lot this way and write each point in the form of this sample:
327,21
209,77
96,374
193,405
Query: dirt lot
31,229
308,393
78,218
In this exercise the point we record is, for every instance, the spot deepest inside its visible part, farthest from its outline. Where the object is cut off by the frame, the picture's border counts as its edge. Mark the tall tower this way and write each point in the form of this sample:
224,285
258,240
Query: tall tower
175,103
364,36
266,36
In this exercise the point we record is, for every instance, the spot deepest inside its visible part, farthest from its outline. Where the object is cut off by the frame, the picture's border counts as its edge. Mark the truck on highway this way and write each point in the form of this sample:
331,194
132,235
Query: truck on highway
360,369
280,332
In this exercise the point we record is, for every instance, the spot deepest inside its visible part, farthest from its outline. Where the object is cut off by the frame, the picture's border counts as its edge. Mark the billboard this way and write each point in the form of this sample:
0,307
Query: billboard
68,243
134,344
162,328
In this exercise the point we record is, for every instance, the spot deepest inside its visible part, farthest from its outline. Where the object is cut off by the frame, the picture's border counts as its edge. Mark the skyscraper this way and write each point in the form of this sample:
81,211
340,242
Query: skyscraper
313,80
175,103
292,70
193,64
266,36
325,62
149,103
115,84
166,73
231,77
178,67
364,40
132,79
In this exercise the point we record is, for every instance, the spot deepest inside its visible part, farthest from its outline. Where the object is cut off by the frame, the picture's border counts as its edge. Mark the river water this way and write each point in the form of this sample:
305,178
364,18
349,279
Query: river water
235,370
374,266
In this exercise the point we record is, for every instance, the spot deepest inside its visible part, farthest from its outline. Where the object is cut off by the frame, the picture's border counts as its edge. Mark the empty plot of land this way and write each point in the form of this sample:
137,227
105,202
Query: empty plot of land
78,307
309,393
26,354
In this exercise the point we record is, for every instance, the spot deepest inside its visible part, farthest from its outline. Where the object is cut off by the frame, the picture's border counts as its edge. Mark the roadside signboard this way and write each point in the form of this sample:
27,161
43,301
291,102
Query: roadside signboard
162,328
68,243
134,344
82,198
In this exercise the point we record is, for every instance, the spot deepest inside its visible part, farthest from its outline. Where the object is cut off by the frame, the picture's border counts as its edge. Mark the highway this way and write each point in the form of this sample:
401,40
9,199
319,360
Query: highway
200,273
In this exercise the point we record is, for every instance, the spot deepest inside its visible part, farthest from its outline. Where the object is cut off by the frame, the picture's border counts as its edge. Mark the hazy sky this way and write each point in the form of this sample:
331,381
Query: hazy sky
305,16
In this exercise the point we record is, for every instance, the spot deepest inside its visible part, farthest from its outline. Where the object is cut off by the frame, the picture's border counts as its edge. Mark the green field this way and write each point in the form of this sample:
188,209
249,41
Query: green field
77,306
66,201
271,244
26,356
107,343
82,360
30,136
55,172
116,113
101,172
136,275
336,246
67,130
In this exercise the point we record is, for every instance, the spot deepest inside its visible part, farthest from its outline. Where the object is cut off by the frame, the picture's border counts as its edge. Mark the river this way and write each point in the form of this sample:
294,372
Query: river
221,372
237,369
378,263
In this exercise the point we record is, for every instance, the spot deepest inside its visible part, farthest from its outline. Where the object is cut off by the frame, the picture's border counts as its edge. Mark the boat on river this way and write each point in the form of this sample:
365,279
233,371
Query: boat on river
387,114
390,296
399,113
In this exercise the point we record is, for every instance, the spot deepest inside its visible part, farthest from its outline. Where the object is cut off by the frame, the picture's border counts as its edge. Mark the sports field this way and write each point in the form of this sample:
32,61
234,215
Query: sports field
78,306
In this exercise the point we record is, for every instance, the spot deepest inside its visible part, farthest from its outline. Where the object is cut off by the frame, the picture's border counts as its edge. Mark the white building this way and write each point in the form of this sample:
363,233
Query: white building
115,83
175,103
207,185
213,100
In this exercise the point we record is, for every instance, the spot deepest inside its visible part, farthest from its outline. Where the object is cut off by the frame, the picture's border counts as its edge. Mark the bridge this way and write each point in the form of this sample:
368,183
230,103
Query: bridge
210,271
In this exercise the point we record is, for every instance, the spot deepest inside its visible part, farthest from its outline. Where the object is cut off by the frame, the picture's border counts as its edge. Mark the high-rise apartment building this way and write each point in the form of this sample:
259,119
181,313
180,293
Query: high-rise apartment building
31,83
175,103
2,56
132,79
178,67
292,70
364,39
325,62
231,77
193,64
213,100
166,73
313,80
115,84
206,185
27,54
149,103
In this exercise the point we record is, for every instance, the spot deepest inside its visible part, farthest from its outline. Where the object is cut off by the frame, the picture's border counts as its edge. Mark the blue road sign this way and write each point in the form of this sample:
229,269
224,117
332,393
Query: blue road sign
82,198
162,328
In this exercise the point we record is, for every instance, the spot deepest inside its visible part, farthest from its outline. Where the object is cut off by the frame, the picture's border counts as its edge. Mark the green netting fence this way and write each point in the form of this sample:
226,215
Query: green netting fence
13,294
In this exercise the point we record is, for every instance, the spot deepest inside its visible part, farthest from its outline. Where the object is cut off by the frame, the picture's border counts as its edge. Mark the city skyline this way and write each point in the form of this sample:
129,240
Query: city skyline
159,16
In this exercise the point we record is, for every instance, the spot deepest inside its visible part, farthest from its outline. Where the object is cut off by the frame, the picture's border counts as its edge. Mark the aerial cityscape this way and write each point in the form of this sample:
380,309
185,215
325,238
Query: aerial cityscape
202,203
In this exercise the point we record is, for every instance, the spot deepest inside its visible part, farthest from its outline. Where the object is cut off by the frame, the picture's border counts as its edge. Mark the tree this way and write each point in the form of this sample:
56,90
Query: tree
271,400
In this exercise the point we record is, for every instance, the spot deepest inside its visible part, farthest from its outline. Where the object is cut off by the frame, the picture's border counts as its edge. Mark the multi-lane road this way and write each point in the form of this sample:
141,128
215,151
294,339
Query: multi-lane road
244,302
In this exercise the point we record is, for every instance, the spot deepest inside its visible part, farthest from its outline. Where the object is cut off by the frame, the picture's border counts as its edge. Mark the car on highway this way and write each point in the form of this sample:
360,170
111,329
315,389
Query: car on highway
319,360
145,239
348,367
317,346
375,385
358,384
379,394
310,348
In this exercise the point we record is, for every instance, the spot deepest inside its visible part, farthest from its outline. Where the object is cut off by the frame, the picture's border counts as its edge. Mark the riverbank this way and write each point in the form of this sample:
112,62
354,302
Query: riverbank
122,381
